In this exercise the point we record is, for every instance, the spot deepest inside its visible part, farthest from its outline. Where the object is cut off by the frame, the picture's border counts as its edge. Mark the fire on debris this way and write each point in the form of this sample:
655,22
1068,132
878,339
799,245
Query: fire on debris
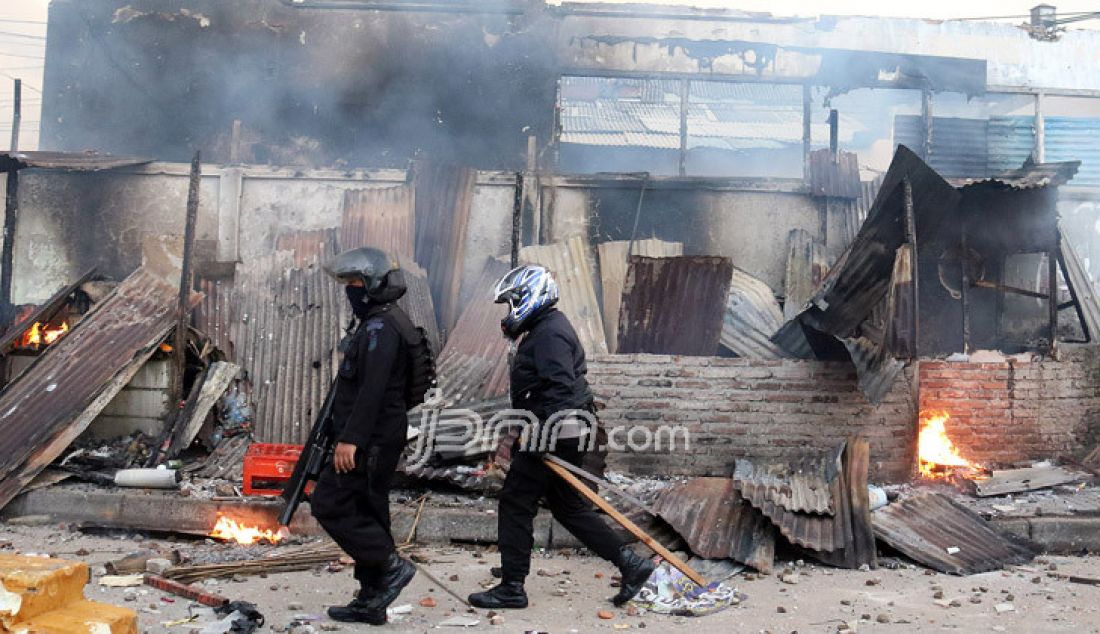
938,457
230,529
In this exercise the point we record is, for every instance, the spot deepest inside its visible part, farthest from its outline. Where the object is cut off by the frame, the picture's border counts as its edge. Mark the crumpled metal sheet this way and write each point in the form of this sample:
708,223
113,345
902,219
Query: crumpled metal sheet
928,527
674,305
752,316
1028,177
717,522
53,400
801,484
571,262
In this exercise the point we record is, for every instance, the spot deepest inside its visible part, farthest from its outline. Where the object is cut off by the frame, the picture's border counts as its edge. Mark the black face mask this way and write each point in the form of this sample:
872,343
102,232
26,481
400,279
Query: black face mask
357,295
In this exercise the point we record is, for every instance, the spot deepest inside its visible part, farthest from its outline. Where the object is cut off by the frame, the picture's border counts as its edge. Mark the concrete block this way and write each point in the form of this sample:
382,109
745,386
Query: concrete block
30,586
158,566
82,617
138,403
155,374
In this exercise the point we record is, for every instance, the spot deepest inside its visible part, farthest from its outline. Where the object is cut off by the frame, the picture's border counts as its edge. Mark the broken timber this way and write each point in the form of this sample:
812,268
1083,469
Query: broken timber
1008,481
672,559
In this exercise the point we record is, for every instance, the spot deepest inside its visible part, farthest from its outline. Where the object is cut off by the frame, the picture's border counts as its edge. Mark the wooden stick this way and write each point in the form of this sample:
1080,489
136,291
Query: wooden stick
676,562
416,520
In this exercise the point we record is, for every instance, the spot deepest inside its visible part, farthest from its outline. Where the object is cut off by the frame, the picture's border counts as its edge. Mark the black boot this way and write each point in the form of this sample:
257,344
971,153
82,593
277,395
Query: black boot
506,594
360,610
395,576
635,572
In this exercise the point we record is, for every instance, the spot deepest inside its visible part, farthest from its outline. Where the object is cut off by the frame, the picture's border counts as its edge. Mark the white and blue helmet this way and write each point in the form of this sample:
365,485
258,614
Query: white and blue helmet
528,290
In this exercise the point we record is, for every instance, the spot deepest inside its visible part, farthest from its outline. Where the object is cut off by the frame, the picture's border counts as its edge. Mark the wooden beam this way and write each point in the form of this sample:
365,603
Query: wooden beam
606,507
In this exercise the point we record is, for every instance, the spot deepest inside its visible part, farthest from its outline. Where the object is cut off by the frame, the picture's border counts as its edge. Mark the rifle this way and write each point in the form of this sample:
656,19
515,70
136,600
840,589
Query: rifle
316,453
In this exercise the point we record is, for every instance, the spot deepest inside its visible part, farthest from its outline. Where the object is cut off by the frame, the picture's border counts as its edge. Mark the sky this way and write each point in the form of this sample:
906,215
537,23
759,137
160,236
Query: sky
23,35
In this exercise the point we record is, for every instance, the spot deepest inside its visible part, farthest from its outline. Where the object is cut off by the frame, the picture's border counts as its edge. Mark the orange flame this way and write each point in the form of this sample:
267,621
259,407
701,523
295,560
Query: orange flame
935,449
230,529
40,334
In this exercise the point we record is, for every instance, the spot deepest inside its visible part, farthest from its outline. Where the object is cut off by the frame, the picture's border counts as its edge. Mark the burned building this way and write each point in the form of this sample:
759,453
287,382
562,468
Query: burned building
843,205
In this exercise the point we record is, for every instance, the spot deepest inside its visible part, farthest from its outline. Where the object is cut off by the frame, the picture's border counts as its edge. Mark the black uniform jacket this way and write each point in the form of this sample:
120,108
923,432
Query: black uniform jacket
369,408
549,370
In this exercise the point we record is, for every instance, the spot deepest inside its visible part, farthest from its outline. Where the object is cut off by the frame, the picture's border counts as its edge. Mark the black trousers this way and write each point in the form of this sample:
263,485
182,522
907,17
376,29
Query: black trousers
529,481
354,509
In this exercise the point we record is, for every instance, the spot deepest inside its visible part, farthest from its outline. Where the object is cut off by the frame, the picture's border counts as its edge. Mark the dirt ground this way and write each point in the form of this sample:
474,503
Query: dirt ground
891,599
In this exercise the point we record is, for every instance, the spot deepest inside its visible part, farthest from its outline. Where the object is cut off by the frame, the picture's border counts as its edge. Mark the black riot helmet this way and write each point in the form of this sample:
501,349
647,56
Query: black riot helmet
381,274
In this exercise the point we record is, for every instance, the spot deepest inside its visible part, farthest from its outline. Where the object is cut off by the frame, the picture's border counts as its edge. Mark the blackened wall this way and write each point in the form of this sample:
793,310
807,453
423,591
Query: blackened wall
310,86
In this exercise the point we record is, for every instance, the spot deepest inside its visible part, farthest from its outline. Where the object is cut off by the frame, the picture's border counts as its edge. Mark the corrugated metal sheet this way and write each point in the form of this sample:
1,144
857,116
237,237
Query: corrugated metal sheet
214,316
52,401
443,195
717,523
379,217
43,313
959,146
860,279
382,217
1010,142
613,269
674,305
473,365
1027,177
837,178
804,272
1082,287
1074,139
801,485
925,526
876,368
66,161
571,263
752,317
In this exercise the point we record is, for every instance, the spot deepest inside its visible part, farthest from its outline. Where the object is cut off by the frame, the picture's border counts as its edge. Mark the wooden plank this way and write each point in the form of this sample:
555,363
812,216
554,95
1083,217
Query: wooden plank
215,381
863,534
1020,480
606,507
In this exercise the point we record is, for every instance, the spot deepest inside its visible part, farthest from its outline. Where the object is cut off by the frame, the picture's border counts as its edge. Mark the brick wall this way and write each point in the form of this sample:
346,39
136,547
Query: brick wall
1018,410
740,407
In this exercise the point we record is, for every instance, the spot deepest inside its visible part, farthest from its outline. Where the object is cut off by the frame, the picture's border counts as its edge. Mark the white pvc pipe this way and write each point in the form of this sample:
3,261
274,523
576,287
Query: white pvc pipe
147,478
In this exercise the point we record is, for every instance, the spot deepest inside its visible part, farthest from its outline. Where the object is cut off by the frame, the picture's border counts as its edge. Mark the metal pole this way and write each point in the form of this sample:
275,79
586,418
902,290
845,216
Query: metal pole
1040,129
807,120
17,113
1052,282
684,88
183,307
834,133
926,123
911,236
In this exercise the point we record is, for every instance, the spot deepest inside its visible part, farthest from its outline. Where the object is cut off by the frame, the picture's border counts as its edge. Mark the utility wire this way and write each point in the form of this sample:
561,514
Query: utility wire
24,56
11,21
23,35
1011,17
21,79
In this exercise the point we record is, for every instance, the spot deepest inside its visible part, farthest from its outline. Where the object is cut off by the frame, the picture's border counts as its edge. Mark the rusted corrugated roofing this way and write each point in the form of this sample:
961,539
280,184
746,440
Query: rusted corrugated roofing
67,161
613,269
443,195
929,527
1027,177
800,484
1081,286
379,217
473,365
717,523
43,313
571,264
55,399
752,316
834,176
674,305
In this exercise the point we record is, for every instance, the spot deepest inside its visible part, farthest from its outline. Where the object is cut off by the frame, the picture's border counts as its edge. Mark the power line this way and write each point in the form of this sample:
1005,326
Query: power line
23,56
23,35
11,21
37,90
1061,14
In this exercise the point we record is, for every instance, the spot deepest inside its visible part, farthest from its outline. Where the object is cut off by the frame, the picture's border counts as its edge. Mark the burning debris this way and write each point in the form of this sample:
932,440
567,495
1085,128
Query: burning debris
936,454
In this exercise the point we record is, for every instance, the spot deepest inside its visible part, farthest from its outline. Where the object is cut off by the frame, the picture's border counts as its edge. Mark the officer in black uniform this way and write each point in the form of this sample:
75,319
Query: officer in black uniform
548,379
351,498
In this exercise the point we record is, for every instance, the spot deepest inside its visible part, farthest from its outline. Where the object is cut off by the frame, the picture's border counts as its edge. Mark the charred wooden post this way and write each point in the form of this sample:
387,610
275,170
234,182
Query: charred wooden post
964,260
517,219
1052,282
911,237
684,88
834,133
183,311
11,215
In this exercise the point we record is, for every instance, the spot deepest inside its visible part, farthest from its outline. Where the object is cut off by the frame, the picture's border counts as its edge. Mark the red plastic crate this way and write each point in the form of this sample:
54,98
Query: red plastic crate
268,466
